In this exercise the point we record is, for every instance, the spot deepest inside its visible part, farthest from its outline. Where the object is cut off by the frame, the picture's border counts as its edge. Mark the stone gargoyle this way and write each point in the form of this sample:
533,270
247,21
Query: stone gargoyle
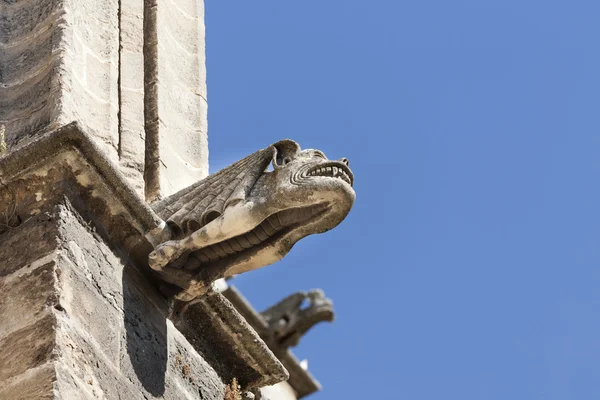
293,316
246,216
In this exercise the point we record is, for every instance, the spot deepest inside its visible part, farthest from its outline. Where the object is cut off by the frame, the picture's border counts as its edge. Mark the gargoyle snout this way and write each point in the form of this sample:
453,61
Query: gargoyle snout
345,161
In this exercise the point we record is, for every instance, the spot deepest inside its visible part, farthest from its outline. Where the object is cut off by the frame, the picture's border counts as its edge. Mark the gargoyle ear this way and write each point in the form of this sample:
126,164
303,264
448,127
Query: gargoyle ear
285,151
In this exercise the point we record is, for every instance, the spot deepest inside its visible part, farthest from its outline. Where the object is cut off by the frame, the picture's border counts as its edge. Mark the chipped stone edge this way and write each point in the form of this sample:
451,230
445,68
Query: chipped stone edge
48,148
257,353
300,379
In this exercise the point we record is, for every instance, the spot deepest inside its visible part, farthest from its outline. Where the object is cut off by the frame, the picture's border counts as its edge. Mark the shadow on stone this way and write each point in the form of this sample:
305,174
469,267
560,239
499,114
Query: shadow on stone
146,334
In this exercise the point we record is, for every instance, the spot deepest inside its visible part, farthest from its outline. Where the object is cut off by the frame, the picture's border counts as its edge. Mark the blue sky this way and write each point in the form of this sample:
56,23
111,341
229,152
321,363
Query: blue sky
469,265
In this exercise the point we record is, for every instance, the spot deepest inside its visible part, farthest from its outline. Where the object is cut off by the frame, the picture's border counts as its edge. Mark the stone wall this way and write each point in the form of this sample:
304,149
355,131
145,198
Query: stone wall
175,92
130,72
59,63
80,322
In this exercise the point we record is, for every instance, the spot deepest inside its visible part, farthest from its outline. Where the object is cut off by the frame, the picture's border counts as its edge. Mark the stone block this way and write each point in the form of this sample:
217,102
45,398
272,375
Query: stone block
175,96
27,348
37,383
84,370
190,372
22,18
27,296
26,57
22,245
81,301
58,64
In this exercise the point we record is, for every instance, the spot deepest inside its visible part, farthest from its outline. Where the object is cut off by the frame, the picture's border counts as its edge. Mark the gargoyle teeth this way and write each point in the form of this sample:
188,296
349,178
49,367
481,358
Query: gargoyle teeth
332,172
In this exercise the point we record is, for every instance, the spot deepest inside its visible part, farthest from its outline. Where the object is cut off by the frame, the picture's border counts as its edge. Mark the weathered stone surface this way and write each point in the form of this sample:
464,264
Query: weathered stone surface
59,63
27,348
68,161
214,327
36,383
76,60
131,93
99,322
27,295
84,371
245,217
117,320
175,96
34,239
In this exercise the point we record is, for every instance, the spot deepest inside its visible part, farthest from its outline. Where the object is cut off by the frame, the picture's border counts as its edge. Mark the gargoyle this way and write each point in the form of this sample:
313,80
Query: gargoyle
292,317
245,217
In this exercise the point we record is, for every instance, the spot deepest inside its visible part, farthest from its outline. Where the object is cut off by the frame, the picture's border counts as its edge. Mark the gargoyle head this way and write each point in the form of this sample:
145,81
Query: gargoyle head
292,317
247,216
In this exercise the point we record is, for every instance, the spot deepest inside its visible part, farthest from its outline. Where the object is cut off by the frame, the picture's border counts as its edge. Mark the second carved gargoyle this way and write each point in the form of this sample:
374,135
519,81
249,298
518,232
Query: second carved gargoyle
247,216
295,315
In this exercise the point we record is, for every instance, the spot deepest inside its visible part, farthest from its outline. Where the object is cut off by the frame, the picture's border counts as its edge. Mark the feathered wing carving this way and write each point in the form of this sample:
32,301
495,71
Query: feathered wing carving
195,206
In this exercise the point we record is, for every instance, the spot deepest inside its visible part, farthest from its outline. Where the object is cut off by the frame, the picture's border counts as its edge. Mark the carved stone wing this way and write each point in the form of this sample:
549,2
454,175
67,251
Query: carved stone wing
195,206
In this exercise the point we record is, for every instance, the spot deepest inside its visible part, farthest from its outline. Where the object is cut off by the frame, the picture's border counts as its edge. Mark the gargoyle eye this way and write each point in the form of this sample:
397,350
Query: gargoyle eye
286,160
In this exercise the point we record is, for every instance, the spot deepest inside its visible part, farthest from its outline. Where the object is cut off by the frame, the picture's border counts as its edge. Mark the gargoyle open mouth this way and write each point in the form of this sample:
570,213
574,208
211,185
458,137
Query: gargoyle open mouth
333,169
269,231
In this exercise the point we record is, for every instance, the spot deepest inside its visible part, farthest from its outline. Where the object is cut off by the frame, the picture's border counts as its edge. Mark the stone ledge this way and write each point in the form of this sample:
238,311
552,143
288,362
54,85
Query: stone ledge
67,163
212,315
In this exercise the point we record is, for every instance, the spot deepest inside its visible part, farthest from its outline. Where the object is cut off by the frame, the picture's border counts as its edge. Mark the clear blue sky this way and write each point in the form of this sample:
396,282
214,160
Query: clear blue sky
469,266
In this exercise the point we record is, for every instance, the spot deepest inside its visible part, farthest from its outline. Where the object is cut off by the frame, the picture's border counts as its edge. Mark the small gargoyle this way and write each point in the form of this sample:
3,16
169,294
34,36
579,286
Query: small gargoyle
293,316
245,217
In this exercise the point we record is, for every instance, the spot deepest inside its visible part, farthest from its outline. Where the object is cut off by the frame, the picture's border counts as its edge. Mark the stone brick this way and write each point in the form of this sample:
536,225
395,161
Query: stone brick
59,63
27,348
27,296
114,337
191,372
92,312
175,90
25,57
36,383
26,243
21,18
84,370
